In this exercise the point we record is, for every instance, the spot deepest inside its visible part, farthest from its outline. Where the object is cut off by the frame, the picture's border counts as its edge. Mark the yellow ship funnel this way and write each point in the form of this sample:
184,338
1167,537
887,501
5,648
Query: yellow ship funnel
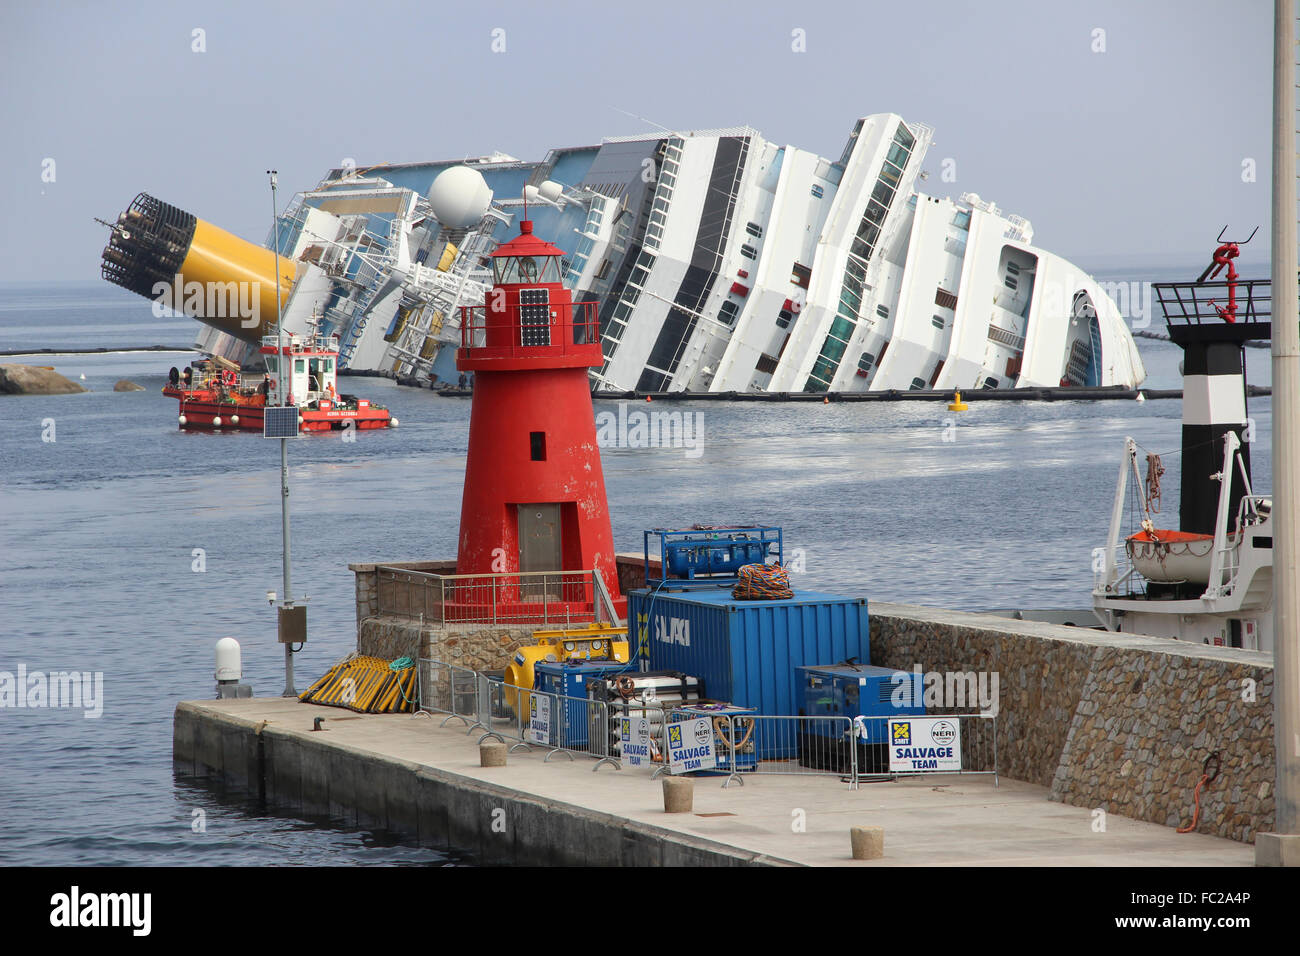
191,266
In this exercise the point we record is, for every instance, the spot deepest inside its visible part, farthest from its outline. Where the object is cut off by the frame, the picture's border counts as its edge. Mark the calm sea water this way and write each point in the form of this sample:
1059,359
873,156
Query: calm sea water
997,507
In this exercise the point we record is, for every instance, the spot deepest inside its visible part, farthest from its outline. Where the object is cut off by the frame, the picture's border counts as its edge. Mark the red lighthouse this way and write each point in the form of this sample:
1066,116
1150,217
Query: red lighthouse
534,496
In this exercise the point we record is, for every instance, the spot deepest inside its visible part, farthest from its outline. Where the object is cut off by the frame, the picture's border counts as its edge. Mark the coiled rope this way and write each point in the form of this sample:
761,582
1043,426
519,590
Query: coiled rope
762,582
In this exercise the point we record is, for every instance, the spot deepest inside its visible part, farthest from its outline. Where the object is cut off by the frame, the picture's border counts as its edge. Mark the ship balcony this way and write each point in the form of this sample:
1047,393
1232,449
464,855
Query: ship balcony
557,335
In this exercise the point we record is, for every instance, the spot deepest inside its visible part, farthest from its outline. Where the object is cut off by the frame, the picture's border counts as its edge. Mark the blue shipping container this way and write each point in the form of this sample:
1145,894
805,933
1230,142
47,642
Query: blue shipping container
745,652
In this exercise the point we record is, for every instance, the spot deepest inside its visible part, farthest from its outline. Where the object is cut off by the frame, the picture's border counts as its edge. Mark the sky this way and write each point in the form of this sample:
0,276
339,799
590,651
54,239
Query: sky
1126,132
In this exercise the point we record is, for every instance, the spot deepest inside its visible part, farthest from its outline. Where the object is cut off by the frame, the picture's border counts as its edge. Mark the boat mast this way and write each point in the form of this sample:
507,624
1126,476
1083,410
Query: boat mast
1282,846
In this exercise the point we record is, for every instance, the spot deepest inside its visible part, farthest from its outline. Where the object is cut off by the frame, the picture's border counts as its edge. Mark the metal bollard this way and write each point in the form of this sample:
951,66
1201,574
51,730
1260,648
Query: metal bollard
679,794
868,842
492,753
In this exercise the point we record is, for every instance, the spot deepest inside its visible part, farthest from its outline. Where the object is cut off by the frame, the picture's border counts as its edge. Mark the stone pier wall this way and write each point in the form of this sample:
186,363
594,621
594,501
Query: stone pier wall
1111,721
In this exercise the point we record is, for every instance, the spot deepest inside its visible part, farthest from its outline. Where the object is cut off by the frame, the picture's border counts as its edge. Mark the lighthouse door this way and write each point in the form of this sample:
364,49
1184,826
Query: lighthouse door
540,549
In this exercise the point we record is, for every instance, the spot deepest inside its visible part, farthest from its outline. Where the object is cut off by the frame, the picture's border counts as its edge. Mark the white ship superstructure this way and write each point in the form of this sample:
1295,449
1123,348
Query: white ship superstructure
720,261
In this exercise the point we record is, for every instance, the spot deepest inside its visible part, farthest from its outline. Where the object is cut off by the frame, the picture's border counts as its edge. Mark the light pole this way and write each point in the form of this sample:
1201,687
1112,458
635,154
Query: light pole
1282,846
287,600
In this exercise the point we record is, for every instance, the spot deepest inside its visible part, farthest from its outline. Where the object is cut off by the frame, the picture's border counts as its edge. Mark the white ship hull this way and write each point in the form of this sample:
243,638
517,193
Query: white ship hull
720,262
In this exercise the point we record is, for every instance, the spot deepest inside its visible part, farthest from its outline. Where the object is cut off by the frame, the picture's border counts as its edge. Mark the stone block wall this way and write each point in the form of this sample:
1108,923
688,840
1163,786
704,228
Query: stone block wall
1111,721
481,647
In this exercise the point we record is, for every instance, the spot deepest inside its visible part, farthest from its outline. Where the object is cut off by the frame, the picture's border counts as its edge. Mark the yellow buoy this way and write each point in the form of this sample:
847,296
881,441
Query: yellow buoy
957,405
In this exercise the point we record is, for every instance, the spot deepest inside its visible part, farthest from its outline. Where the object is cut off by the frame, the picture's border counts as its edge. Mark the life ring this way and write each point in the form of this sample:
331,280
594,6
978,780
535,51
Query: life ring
227,377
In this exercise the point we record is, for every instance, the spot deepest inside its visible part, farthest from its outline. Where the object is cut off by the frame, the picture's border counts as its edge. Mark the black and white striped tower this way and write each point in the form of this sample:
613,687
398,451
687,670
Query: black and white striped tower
1214,403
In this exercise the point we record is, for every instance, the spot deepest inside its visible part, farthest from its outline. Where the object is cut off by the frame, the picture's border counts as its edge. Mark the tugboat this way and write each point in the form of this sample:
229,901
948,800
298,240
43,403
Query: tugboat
214,393
1210,581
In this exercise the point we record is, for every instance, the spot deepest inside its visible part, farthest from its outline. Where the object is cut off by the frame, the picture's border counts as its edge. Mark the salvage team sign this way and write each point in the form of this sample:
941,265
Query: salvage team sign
634,735
924,743
539,719
690,746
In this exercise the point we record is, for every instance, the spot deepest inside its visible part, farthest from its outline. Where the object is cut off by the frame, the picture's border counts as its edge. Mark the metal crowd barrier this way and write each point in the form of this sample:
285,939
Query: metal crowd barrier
853,749
975,753
759,744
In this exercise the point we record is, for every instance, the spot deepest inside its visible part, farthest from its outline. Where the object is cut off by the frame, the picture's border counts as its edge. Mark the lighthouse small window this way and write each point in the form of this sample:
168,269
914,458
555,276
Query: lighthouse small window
537,446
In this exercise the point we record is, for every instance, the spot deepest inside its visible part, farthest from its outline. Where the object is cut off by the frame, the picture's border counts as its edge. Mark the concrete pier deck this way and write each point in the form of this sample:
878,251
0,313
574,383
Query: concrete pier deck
410,775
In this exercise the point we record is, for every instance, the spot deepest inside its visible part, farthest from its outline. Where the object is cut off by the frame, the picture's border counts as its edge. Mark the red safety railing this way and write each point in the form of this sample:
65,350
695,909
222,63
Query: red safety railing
571,329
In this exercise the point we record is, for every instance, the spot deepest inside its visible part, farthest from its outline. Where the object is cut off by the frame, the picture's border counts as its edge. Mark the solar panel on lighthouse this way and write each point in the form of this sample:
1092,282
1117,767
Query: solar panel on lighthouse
280,422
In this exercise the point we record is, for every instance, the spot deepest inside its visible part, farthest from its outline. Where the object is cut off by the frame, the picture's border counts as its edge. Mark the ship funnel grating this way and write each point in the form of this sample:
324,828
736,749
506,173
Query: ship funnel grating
149,242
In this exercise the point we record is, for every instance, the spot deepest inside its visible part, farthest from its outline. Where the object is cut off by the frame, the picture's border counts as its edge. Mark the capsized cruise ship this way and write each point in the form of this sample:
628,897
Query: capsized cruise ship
719,261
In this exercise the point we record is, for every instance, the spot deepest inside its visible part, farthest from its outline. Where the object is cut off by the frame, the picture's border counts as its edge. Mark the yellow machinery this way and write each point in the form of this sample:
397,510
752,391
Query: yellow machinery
192,266
594,642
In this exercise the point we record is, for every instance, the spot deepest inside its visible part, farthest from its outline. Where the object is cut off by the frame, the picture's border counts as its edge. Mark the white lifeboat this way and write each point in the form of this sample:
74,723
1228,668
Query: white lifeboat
1172,557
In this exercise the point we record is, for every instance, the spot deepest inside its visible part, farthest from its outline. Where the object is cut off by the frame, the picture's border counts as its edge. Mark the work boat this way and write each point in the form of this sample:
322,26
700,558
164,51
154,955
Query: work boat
1211,580
214,393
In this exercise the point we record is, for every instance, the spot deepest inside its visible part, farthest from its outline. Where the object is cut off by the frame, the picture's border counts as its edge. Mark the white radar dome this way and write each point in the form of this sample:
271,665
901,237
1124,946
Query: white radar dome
459,197
228,659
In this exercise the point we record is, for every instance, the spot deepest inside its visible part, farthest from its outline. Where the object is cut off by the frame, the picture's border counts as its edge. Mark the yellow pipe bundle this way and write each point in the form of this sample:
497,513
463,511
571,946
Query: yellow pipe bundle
367,685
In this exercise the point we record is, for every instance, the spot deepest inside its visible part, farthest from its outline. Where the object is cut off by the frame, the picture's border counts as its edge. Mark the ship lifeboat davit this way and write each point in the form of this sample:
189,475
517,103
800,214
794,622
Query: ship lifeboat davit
1172,556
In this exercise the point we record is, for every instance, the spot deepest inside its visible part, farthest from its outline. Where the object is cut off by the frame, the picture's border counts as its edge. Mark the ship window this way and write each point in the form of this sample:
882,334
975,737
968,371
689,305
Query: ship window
749,252
299,365
783,319
904,137
1010,282
1013,268
867,360
882,311
990,383
962,219
937,321
272,364
754,229
603,270
801,275
537,446
891,174
897,155
917,384
817,191
727,311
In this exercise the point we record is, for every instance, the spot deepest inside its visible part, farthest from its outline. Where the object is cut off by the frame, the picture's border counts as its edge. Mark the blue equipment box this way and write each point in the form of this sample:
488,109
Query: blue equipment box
569,727
745,652
850,691
710,554
738,731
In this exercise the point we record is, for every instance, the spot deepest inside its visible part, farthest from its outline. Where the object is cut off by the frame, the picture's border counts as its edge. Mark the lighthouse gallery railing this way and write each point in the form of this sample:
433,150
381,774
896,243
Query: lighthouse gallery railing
545,597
